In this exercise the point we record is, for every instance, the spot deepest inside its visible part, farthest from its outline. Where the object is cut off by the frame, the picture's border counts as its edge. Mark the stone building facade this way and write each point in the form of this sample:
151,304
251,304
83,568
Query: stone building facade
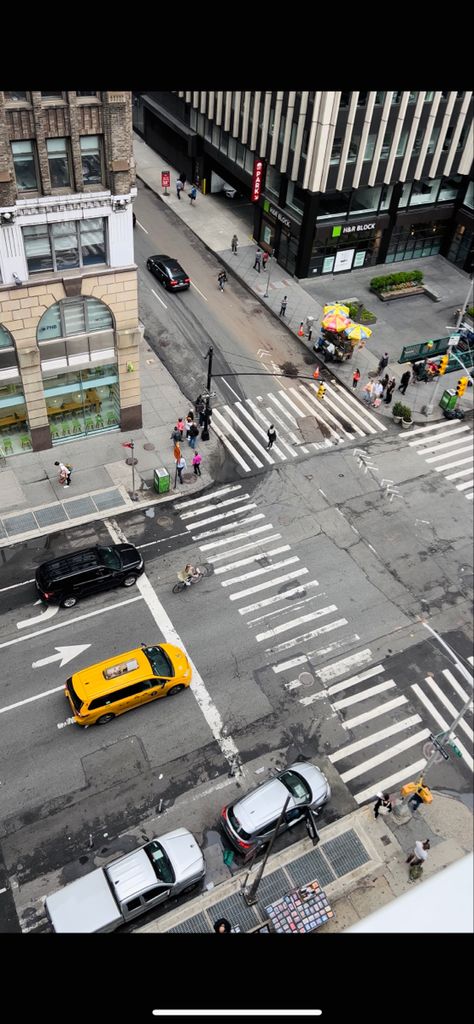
69,331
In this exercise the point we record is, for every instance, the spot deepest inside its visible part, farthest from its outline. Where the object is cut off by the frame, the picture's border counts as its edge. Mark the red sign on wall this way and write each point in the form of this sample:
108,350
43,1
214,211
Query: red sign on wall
165,179
256,180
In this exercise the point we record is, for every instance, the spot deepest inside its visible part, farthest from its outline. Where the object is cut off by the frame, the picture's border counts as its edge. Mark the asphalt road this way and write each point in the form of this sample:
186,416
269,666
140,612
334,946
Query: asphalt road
306,637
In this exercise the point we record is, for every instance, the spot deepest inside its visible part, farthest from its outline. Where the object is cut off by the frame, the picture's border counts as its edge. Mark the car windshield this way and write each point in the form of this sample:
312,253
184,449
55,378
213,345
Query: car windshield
110,557
159,661
297,786
160,862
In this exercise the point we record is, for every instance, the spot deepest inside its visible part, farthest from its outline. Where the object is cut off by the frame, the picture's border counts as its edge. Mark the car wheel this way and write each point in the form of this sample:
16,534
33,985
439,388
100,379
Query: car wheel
69,601
105,718
175,689
129,581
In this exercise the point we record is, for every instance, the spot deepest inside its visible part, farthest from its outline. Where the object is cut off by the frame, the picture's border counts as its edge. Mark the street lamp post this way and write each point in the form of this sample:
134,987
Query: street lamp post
270,264
250,896
451,343
205,429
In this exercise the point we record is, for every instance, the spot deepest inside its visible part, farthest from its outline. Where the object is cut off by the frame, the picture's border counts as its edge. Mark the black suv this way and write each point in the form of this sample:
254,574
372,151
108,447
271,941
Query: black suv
65,579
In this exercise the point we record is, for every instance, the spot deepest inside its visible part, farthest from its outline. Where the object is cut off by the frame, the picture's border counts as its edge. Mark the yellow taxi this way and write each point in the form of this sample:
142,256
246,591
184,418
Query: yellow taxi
99,693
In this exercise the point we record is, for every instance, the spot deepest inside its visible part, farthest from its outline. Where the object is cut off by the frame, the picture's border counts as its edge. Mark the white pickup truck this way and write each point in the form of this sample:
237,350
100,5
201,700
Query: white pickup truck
129,886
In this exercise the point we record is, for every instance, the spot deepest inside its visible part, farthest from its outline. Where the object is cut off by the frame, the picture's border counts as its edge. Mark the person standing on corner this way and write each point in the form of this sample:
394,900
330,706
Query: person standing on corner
382,804
284,303
258,260
355,378
193,435
271,434
265,258
181,466
197,459
382,363
404,381
234,243
389,390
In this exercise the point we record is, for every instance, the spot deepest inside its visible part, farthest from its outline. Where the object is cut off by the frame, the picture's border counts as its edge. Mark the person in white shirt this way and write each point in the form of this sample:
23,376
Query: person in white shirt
420,853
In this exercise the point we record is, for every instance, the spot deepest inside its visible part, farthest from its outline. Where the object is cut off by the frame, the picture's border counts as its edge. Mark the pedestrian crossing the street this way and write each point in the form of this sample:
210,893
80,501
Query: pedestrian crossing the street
447,448
242,427
297,624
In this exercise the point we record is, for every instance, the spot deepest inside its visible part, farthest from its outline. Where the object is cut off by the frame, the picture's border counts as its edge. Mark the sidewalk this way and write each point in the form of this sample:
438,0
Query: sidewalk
33,503
359,863
401,323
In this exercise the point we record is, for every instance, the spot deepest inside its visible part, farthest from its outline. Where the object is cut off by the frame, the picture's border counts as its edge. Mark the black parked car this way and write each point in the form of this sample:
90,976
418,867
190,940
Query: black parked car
65,579
168,271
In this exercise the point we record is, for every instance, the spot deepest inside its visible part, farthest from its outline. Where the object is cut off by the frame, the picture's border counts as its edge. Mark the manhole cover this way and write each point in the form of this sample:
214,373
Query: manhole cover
149,447
306,679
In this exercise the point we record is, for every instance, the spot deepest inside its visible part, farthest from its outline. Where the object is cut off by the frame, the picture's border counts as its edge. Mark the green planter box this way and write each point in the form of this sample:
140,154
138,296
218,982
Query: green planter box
161,480
448,399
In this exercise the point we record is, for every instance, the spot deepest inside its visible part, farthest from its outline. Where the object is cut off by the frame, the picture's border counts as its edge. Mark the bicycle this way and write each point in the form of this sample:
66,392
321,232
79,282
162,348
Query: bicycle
201,573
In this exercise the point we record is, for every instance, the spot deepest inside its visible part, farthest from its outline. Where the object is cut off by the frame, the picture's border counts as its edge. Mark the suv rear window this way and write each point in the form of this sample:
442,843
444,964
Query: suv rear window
237,827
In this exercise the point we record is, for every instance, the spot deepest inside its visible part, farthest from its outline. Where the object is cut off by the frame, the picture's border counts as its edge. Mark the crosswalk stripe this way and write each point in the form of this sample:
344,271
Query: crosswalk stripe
243,547
231,448
205,497
463,487
434,426
277,598
269,583
244,412
339,667
259,572
441,722
237,536
384,784
375,737
251,558
460,472
211,508
385,755
443,699
346,683
363,695
366,716
273,398
471,659
470,496
304,658
455,685
448,433
306,636
309,404
452,465
284,626
227,526
459,451
353,403
222,515
280,611
230,430
248,433
267,421
437,447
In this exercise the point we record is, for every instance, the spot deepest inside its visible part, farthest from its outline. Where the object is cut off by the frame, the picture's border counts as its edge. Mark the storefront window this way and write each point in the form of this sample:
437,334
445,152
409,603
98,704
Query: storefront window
415,241
460,246
83,402
14,431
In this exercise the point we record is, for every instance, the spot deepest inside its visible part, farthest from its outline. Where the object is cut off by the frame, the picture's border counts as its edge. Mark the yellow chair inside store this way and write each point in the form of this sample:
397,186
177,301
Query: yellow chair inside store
7,446
25,441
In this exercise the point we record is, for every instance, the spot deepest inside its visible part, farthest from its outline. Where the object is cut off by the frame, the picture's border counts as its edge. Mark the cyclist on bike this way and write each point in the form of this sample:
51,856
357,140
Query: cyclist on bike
186,575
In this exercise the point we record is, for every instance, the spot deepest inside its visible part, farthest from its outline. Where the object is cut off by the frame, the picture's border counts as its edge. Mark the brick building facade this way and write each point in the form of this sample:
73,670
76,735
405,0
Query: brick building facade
69,332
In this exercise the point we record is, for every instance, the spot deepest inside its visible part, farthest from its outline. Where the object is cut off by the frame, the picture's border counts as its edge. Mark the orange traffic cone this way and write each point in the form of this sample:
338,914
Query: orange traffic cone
300,330
316,373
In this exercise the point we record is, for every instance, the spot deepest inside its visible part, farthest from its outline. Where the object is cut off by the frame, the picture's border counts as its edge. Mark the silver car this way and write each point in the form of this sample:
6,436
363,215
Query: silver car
251,821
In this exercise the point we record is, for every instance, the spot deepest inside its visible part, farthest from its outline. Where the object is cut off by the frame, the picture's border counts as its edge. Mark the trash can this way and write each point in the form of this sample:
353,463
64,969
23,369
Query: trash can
448,399
161,480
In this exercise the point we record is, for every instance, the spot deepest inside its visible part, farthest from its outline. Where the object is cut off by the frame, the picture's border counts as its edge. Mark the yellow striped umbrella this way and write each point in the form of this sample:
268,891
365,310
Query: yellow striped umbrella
336,322
357,331
336,307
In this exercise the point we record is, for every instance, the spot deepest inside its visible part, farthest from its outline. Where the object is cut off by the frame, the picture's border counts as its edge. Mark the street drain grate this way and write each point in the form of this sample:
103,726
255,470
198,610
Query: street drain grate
272,887
50,515
20,524
109,499
345,852
79,507
312,865
235,909
192,926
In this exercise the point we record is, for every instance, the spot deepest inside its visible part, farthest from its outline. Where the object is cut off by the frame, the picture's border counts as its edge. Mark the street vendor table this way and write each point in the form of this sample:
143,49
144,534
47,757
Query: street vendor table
301,910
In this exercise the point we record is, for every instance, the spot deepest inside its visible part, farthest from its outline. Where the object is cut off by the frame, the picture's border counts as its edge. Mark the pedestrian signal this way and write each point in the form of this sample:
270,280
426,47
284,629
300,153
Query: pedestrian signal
321,391
443,364
461,386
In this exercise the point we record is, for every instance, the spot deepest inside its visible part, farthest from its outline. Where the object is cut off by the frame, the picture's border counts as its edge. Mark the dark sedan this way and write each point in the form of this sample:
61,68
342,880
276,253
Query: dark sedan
168,271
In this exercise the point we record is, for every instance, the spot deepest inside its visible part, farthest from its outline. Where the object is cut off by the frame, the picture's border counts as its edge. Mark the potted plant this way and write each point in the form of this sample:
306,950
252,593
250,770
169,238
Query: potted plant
406,416
398,411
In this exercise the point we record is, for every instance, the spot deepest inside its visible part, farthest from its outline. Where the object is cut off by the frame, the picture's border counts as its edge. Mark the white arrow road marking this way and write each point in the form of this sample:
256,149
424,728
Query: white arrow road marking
48,613
63,655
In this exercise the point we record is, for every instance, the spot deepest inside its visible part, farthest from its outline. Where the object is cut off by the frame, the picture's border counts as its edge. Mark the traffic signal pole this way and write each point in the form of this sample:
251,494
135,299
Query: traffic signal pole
205,429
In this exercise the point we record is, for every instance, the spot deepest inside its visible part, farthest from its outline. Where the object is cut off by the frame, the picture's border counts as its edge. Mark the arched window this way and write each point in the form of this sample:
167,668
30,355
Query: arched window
8,359
75,332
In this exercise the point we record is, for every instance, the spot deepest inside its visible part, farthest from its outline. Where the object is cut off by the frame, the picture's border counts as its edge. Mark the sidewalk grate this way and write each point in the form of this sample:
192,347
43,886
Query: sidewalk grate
235,909
79,507
20,524
310,866
345,852
191,926
109,499
272,886
50,514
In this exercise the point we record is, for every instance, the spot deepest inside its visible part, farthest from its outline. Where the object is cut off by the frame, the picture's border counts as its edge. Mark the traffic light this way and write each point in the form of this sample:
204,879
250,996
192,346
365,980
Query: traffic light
321,391
461,386
443,364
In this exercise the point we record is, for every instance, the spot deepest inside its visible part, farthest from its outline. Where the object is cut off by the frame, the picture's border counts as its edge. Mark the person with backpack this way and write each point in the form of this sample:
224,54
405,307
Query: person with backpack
193,435
192,194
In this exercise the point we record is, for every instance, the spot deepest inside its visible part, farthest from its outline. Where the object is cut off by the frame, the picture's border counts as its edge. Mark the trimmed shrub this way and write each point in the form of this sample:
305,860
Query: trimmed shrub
398,409
406,413
389,282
